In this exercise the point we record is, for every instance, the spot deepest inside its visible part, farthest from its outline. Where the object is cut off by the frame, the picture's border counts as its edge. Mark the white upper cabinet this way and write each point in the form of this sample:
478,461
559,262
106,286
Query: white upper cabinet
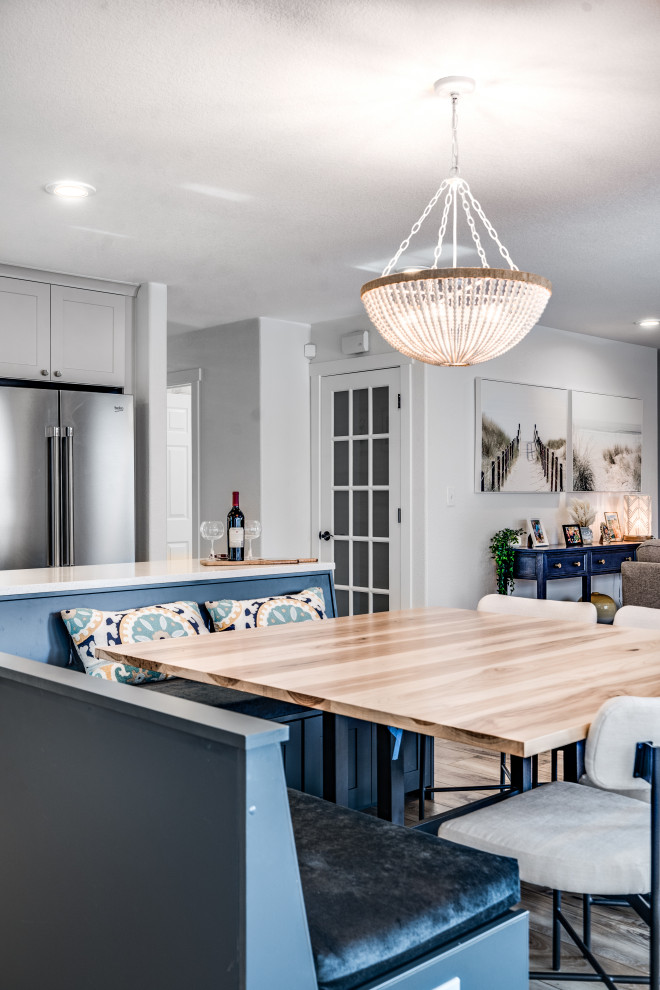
24,329
88,336
61,334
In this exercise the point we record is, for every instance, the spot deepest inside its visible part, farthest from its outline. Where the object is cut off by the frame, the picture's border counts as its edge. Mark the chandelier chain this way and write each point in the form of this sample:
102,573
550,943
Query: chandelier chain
471,224
491,230
415,227
455,187
443,227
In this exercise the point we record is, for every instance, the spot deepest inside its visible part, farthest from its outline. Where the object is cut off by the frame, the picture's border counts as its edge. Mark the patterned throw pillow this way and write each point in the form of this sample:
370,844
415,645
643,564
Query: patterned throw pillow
308,605
90,629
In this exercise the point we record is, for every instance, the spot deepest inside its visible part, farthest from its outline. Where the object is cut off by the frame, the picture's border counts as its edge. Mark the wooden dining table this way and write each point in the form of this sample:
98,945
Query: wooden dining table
522,686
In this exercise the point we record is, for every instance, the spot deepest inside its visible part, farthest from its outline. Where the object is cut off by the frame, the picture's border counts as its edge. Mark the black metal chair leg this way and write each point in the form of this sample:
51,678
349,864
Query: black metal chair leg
503,780
654,948
553,765
422,775
586,919
556,930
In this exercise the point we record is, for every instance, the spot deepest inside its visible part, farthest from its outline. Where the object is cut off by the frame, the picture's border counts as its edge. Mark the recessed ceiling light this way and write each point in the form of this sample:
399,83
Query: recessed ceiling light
652,321
69,189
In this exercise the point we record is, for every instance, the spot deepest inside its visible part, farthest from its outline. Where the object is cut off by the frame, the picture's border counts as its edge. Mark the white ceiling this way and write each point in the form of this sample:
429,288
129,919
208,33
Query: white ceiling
254,154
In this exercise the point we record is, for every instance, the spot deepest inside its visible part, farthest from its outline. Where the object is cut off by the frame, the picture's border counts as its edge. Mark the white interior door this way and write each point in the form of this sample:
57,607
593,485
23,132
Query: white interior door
361,488
179,473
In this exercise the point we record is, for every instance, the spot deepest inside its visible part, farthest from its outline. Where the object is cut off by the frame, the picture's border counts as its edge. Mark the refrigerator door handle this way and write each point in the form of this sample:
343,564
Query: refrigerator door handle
67,497
54,495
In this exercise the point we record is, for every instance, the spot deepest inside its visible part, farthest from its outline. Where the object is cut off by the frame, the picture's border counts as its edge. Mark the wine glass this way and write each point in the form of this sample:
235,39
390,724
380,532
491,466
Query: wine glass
252,532
211,530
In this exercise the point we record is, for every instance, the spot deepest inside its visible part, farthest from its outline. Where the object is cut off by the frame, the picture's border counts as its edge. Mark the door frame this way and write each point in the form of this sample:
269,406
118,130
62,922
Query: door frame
351,366
192,377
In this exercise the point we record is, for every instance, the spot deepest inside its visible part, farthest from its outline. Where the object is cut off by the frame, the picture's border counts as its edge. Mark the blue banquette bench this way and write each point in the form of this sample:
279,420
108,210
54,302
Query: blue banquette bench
150,843
31,626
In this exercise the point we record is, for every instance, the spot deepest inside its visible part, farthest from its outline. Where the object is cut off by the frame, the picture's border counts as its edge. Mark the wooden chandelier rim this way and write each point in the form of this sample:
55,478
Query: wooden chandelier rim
435,274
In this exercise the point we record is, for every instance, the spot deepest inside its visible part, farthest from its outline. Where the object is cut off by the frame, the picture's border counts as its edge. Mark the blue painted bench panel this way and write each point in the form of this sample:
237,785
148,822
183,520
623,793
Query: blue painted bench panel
160,853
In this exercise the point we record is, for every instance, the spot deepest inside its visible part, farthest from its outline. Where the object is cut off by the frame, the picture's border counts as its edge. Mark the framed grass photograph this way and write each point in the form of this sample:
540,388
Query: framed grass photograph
572,535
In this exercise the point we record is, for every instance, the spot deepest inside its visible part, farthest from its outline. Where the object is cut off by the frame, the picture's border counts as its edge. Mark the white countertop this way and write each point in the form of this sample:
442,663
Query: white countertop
43,580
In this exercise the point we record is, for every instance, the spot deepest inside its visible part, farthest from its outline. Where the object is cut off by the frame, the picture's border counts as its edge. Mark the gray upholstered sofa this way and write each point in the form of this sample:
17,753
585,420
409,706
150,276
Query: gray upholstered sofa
640,579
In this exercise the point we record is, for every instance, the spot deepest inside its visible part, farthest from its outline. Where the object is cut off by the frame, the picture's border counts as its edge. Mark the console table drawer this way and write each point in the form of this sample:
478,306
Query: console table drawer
604,560
566,564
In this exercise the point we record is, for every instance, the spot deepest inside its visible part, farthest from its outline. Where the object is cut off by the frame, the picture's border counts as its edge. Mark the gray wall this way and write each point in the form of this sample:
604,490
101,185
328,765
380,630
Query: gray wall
254,426
229,412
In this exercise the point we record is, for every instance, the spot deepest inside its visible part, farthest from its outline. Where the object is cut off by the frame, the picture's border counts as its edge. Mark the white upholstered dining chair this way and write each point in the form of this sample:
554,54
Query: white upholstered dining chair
588,840
538,608
637,617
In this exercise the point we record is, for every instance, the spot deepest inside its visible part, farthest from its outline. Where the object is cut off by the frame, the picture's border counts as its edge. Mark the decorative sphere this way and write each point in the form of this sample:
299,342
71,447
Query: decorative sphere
605,606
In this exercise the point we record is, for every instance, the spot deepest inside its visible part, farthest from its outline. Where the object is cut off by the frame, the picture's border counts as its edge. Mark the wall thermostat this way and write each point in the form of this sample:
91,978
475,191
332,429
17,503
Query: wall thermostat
355,343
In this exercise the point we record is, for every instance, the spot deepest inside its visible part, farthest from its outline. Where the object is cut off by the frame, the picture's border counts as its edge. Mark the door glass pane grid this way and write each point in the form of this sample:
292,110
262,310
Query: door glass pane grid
361,502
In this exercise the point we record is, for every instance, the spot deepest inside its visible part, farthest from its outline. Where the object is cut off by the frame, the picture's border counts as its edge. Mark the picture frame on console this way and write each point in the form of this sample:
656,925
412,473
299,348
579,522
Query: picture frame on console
572,535
612,523
537,533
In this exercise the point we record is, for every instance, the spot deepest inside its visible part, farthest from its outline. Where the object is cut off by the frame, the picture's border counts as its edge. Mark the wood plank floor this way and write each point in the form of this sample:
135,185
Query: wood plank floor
620,938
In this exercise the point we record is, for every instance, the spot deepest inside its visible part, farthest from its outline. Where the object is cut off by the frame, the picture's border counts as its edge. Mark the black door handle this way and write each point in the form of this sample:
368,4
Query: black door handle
325,535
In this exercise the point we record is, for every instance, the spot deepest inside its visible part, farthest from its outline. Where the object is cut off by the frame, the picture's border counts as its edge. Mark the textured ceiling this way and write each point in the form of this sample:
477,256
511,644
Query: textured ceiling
258,156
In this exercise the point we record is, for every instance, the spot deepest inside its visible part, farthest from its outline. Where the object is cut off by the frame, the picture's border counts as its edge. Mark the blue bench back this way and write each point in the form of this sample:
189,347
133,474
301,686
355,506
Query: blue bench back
150,841
31,625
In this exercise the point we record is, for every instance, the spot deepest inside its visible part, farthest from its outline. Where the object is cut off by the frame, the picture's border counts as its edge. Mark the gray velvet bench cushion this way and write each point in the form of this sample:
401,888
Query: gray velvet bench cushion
222,697
378,895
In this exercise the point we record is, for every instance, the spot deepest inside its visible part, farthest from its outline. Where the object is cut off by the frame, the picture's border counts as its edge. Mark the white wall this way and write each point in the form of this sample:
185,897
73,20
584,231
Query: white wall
284,439
460,570
450,544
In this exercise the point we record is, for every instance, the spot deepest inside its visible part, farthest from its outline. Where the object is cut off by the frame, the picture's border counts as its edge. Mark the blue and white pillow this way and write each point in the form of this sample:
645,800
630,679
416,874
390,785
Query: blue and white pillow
90,628
306,606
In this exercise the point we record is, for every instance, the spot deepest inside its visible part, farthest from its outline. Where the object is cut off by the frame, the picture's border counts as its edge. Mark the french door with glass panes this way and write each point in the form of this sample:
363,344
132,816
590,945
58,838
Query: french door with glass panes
361,488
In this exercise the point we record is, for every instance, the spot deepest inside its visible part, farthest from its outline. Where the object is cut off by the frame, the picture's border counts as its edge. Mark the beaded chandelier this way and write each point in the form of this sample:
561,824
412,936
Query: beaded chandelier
455,316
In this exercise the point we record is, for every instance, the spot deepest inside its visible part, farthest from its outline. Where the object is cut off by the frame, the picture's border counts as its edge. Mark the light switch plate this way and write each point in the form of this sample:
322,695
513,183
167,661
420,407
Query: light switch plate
451,500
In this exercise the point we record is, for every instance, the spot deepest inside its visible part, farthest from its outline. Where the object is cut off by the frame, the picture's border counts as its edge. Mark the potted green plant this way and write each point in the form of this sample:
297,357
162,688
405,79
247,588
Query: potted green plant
502,547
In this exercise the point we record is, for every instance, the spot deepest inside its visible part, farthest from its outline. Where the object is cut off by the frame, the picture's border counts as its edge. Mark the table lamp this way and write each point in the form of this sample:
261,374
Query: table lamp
637,518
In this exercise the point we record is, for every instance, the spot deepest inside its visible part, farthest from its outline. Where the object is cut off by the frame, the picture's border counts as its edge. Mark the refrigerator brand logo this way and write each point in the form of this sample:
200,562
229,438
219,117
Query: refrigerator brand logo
119,408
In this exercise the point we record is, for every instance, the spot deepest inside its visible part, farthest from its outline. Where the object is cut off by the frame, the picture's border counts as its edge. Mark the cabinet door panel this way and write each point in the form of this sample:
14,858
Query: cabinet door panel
24,329
87,336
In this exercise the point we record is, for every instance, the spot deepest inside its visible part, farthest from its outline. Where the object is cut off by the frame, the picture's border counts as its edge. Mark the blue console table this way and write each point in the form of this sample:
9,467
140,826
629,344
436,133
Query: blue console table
554,563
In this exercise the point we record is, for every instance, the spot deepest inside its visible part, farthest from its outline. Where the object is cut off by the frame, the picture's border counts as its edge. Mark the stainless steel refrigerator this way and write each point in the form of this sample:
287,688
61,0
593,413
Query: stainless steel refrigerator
66,478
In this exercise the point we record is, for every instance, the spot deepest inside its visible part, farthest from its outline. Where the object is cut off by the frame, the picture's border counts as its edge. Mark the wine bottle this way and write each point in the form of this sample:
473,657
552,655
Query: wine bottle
235,530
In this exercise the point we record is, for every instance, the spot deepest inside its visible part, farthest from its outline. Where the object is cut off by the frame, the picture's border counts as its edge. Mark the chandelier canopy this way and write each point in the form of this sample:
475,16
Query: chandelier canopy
455,316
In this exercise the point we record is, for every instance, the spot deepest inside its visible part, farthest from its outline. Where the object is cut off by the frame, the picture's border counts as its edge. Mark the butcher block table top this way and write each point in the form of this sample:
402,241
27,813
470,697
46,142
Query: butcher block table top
522,686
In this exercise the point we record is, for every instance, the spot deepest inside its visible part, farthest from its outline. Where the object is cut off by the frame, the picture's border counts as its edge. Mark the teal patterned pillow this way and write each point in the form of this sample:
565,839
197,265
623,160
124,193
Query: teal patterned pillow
89,628
306,606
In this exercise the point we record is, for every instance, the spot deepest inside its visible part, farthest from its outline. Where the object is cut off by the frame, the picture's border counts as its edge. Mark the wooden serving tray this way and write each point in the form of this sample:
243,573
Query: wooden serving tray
256,561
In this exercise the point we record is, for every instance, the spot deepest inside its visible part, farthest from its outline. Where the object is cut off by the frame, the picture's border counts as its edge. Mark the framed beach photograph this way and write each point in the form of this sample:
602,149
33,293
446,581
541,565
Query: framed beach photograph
612,523
537,533
520,437
572,535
